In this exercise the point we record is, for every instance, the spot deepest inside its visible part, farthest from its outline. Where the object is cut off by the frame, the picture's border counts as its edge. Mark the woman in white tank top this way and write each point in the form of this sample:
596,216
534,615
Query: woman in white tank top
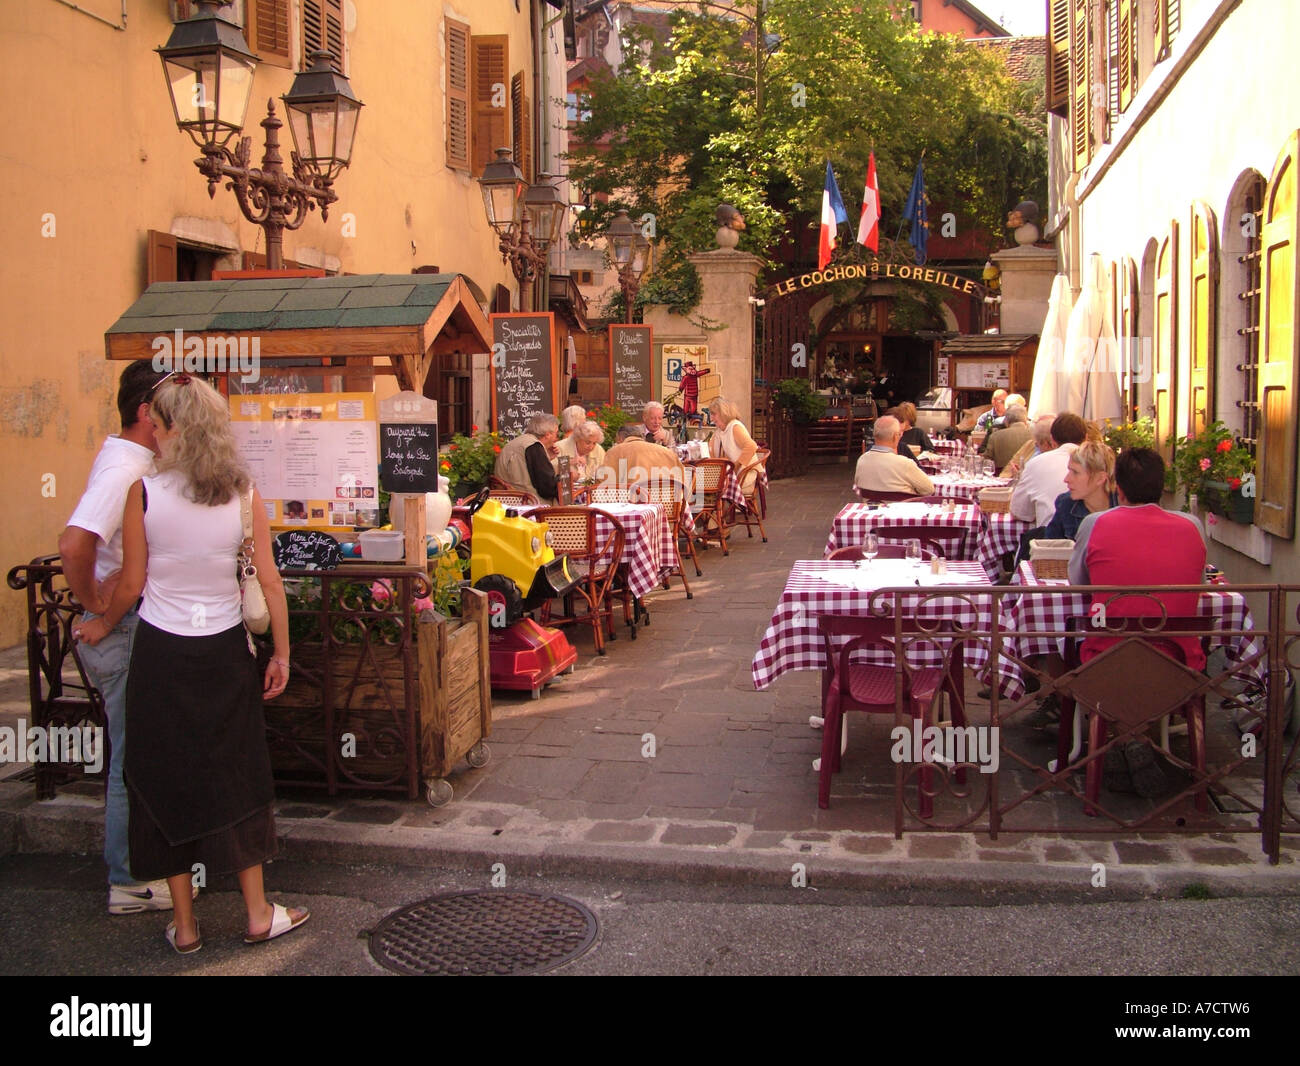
732,440
198,772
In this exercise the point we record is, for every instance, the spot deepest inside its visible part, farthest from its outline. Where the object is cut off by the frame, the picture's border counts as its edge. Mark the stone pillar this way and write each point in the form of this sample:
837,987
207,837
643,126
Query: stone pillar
1027,273
727,279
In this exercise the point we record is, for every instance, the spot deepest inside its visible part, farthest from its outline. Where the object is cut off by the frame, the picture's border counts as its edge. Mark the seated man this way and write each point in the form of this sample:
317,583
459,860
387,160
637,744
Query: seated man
1003,444
1040,440
1138,543
525,463
882,469
635,461
984,423
1034,497
651,427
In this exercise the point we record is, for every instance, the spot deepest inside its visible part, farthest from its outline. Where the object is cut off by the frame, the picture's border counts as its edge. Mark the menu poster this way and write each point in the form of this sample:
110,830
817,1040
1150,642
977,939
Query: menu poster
631,351
408,443
314,457
523,369
983,375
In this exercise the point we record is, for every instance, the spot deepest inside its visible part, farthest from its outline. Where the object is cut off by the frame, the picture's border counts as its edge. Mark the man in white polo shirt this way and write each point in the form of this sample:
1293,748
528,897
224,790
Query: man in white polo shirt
91,551
1034,498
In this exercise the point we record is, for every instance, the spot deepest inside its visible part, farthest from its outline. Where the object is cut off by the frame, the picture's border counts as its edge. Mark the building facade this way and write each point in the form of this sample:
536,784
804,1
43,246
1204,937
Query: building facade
1173,150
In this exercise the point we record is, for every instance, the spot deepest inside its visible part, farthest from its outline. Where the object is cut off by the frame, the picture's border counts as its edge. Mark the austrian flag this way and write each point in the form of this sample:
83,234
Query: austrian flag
869,225
833,214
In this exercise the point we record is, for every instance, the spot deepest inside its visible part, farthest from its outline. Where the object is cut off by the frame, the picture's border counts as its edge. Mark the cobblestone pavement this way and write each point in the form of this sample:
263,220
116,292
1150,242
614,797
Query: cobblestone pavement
729,793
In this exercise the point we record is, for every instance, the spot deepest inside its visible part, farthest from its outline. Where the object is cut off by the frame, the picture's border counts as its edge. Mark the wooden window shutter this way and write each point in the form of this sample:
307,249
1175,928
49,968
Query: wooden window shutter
1126,329
160,261
457,95
267,31
1204,292
489,84
322,27
1126,52
1279,355
1168,22
1081,89
1165,341
521,126
1058,57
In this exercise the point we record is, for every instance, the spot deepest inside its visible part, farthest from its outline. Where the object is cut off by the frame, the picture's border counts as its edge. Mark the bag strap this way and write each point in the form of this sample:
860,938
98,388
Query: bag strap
246,521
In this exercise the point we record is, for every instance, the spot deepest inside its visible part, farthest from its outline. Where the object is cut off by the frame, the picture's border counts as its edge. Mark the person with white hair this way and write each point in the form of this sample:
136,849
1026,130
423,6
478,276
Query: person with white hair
571,418
882,469
651,427
525,463
584,447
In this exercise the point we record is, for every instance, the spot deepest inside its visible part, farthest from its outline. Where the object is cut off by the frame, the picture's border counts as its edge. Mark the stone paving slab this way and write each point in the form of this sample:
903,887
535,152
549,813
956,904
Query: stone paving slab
729,794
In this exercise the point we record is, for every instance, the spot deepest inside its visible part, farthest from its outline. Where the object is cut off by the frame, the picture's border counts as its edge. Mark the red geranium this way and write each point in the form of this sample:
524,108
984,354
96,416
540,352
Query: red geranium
1234,483
451,447
496,448
1224,446
473,429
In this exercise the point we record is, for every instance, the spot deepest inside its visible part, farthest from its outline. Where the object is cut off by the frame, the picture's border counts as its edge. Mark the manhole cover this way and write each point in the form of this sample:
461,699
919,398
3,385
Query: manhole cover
483,932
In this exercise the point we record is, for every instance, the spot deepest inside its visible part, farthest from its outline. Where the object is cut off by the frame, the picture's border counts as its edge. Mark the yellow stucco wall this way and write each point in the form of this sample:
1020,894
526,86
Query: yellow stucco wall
90,140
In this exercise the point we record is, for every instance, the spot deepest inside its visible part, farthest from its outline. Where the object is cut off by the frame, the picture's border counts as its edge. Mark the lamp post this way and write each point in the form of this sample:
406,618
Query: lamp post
209,73
527,219
631,254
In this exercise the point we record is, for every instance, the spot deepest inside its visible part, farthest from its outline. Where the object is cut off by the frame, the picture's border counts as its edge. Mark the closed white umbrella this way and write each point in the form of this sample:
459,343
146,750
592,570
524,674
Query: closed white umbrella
1048,368
1091,352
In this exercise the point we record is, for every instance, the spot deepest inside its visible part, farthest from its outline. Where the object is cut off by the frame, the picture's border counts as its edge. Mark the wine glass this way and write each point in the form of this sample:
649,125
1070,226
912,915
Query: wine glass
990,468
913,552
870,546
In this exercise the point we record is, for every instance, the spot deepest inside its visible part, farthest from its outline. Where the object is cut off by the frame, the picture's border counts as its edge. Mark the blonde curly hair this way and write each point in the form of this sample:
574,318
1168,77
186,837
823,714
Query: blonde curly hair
203,448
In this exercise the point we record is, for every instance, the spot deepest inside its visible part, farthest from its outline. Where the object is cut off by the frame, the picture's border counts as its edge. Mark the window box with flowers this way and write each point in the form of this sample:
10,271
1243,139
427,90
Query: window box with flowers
1220,472
468,462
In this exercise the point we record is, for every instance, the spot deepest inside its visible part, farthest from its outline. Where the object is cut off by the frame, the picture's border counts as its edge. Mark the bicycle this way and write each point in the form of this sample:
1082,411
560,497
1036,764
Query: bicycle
679,421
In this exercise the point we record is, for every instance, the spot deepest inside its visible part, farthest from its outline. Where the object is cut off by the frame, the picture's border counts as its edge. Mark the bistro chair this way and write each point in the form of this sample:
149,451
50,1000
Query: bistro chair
857,686
514,497
871,496
887,551
671,494
1130,691
933,499
710,478
755,509
592,558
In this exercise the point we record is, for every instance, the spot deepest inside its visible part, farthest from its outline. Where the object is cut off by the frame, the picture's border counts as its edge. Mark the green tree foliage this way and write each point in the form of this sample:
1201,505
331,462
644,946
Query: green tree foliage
706,116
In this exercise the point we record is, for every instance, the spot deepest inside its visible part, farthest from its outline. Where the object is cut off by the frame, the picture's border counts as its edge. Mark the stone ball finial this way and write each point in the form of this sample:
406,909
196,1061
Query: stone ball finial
1023,218
730,223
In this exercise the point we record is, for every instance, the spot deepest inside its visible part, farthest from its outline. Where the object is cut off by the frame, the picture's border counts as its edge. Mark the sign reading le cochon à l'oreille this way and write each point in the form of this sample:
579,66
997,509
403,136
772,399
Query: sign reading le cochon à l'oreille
877,271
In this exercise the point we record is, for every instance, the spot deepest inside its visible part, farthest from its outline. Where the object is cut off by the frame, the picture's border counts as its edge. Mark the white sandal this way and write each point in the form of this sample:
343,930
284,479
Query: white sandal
281,922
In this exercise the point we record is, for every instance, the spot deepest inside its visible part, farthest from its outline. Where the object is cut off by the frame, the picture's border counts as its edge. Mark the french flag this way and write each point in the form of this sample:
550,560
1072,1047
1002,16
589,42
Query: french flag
869,225
833,214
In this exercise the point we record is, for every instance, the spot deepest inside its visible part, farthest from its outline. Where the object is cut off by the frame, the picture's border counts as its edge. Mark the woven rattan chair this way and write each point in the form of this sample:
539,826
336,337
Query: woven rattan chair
592,558
672,495
514,497
709,477
755,509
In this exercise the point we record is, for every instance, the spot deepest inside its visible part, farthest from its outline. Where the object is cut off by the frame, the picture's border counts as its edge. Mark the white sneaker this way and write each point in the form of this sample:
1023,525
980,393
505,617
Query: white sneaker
133,899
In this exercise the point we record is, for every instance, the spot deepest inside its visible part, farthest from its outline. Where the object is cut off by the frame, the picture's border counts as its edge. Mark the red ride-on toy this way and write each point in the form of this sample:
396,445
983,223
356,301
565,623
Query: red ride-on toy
511,560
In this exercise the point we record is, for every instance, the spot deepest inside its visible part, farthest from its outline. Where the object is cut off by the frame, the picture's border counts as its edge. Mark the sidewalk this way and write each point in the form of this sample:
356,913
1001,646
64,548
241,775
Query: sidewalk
729,795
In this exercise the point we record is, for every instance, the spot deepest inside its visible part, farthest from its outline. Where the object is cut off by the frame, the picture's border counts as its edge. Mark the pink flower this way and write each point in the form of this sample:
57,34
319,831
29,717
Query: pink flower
1205,464
381,591
425,603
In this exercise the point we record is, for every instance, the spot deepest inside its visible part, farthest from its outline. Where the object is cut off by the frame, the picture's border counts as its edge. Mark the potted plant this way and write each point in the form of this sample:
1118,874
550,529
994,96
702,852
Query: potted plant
1218,470
797,396
468,462
1140,433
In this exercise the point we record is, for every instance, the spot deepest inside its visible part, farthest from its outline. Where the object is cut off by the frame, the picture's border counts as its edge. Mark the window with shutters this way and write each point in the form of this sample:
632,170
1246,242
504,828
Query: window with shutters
521,126
457,95
1168,21
1279,357
1084,95
1241,243
1203,253
1125,305
322,28
489,98
267,31
1164,377
1058,57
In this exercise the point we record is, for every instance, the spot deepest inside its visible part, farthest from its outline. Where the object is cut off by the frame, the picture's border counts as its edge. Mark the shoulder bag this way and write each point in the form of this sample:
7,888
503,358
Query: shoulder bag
256,615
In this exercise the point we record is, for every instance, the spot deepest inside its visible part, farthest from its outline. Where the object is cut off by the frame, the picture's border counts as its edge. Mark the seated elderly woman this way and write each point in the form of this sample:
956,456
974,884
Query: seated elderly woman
1090,486
571,418
732,440
584,447
525,463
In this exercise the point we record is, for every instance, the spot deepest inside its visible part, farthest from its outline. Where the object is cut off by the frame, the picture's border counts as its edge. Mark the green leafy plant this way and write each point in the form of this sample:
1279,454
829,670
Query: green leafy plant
611,419
468,462
797,396
1210,455
1138,434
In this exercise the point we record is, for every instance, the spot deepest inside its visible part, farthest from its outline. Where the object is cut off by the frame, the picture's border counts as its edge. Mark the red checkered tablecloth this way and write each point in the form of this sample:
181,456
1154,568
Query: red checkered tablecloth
1001,534
856,519
646,539
821,586
963,487
948,447
1052,613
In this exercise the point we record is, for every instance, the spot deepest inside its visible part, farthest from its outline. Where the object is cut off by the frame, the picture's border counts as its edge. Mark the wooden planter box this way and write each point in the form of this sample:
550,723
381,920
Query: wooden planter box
383,717
1223,500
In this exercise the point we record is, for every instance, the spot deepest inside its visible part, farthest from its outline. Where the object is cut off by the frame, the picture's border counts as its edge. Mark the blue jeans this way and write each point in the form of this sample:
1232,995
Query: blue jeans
107,664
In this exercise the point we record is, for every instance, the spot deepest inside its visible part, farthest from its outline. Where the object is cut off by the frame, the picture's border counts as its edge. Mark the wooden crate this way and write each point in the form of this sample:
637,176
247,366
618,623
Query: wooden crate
455,687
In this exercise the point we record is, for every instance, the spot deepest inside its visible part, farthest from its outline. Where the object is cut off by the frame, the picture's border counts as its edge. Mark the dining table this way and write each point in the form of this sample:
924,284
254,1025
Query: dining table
647,536
966,486
855,520
1000,535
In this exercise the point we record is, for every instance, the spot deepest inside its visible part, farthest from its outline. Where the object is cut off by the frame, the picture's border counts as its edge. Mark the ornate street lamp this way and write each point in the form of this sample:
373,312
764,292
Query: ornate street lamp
209,74
630,252
527,219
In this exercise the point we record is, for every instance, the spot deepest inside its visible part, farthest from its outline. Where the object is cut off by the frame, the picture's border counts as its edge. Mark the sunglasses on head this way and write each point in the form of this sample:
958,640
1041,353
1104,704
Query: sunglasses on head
181,379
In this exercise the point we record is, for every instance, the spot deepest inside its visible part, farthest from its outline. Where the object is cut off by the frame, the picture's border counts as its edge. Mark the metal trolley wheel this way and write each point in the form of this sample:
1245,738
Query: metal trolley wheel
440,792
478,755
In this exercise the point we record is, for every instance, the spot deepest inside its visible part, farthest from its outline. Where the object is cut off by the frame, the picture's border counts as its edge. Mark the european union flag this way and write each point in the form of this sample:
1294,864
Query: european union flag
915,213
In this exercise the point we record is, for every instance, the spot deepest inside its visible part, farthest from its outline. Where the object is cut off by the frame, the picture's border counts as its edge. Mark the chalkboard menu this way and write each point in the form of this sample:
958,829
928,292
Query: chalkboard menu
631,349
305,549
408,456
523,369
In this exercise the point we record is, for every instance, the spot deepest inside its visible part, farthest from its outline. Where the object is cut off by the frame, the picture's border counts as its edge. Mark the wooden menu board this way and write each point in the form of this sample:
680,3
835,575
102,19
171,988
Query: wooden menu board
631,371
523,369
